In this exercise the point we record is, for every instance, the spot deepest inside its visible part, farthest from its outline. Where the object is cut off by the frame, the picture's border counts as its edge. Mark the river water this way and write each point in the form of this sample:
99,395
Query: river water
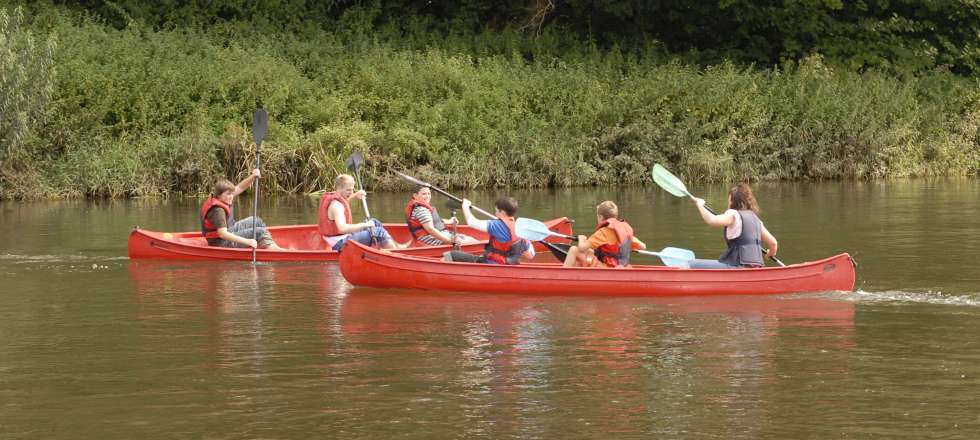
97,346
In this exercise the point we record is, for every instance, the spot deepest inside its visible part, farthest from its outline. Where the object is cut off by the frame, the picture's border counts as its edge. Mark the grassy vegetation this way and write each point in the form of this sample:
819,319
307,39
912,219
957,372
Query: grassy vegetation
144,111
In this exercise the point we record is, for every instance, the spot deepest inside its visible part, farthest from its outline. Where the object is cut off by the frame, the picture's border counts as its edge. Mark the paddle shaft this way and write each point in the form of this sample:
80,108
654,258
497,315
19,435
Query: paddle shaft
441,191
357,173
255,203
764,250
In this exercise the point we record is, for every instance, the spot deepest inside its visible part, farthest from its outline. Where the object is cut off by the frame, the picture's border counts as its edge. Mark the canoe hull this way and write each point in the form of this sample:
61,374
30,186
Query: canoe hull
303,241
363,266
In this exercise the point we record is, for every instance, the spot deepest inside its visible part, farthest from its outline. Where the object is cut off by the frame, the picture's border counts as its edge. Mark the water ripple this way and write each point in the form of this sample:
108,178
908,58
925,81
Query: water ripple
887,296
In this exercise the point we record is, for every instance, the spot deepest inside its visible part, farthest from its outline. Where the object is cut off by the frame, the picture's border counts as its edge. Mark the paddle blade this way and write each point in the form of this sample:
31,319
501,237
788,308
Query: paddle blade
673,257
260,125
532,229
668,181
354,161
560,251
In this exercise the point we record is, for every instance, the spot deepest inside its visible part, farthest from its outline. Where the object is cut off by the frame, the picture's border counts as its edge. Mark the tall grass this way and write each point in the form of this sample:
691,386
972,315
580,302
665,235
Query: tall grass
139,111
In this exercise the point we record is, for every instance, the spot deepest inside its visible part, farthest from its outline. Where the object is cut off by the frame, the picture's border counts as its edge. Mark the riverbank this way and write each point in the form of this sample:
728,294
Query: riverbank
139,111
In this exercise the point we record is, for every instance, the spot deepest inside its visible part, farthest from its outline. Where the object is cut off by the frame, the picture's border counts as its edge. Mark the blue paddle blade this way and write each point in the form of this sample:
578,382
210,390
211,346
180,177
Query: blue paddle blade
673,257
532,229
668,181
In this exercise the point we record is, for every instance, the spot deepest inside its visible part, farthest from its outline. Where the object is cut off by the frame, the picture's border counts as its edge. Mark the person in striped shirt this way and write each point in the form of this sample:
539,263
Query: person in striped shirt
425,224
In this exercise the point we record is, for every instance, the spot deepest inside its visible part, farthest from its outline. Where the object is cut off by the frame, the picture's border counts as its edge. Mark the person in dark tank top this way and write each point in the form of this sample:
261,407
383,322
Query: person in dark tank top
744,232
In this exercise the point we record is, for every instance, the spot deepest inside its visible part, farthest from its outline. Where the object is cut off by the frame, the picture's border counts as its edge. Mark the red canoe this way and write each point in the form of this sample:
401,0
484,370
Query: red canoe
303,243
364,266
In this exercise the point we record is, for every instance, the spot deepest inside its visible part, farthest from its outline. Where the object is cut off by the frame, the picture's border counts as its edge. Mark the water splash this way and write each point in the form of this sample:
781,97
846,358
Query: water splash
928,297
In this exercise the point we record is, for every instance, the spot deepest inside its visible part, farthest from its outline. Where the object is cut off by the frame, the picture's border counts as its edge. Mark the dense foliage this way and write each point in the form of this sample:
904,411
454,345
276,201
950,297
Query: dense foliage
147,98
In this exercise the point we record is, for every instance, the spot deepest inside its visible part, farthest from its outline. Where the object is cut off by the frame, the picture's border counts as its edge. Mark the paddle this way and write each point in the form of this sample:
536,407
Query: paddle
530,224
354,162
671,256
535,230
260,125
440,191
673,185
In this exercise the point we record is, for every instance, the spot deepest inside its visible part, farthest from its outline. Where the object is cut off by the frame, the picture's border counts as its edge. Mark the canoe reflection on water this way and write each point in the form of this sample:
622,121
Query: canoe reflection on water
236,286
613,357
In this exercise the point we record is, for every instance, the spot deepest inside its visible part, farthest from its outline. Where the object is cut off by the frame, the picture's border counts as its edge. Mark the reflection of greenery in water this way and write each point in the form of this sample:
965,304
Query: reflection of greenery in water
467,111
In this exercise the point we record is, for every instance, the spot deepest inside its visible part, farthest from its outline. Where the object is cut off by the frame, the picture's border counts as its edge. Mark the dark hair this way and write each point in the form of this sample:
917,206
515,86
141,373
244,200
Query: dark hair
221,186
742,198
507,205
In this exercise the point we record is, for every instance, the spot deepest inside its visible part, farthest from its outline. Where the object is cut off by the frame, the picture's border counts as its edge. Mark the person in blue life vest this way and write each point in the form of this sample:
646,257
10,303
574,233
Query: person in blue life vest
611,243
426,225
336,223
504,246
744,232
218,223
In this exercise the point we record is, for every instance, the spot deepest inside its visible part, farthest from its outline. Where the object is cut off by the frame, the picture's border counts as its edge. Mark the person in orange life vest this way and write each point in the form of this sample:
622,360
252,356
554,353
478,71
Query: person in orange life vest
425,224
504,247
336,222
218,223
744,232
611,243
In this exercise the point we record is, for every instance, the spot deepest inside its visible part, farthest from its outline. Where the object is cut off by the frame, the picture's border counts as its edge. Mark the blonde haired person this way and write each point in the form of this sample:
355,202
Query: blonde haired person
611,243
336,222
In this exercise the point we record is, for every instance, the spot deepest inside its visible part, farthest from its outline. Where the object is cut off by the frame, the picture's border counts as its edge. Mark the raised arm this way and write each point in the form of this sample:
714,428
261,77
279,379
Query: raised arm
471,220
246,183
724,219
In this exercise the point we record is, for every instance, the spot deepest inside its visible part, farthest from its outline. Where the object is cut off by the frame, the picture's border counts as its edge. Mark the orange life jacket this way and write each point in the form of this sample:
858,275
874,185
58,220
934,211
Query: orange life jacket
328,227
505,253
618,254
414,226
208,230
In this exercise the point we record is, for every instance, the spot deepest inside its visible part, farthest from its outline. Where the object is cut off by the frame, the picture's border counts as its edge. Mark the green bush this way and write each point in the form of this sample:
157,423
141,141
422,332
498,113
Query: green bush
139,110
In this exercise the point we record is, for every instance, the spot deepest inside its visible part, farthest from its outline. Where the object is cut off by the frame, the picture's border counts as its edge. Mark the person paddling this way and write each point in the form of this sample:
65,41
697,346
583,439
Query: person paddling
611,243
218,223
744,232
336,222
504,246
426,225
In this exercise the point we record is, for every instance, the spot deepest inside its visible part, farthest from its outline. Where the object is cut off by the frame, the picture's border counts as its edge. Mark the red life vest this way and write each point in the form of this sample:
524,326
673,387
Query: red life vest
328,227
505,253
414,226
209,230
614,255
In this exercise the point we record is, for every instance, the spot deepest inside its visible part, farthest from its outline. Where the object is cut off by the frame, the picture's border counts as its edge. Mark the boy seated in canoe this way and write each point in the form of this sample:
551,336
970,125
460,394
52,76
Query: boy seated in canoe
609,246
336,223
426,225
218,223
504,246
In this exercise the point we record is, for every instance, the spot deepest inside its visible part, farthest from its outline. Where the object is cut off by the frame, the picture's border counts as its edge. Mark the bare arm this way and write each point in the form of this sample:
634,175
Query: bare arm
723,220
247,182
638,244
770,241
471,220
445,238
335,213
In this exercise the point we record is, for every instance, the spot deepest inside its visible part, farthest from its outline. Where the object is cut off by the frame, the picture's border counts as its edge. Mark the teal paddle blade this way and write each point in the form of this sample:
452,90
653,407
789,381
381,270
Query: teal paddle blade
668,181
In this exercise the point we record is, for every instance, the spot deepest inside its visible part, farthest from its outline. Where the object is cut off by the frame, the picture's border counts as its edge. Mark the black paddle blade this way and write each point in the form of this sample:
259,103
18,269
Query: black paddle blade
354,161
453,204
560,251
260,125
